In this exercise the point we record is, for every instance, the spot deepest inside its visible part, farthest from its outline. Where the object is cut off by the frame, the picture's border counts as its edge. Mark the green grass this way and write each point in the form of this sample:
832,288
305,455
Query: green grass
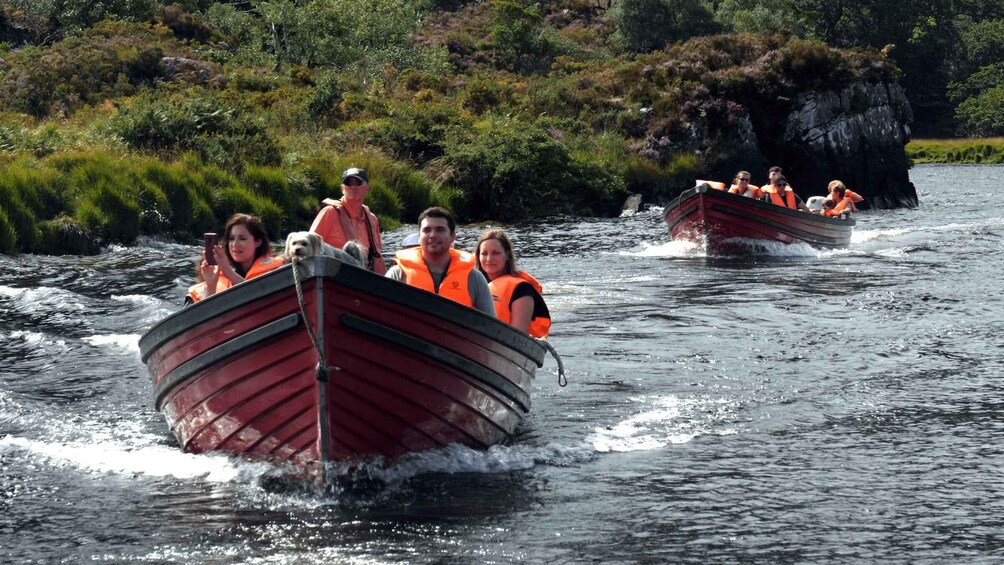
982,151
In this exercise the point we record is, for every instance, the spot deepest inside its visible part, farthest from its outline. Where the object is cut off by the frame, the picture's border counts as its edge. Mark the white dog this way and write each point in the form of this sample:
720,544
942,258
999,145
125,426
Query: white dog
303,244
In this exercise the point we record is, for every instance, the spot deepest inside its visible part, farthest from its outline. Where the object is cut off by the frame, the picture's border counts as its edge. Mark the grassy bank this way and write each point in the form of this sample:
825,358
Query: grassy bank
983,151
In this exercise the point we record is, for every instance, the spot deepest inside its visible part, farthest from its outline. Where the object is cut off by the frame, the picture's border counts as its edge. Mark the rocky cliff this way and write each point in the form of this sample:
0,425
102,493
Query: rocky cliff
856,134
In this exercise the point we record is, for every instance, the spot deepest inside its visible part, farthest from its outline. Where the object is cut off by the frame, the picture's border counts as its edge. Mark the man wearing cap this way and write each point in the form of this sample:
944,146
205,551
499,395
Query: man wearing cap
437,267
348,219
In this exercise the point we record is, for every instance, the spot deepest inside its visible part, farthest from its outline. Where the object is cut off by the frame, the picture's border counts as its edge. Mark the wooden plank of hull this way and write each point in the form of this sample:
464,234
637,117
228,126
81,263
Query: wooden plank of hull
240,375
725,222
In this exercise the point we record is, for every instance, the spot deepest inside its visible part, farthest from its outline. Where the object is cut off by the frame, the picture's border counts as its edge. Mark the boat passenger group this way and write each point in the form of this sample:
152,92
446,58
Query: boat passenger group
840,199
487,280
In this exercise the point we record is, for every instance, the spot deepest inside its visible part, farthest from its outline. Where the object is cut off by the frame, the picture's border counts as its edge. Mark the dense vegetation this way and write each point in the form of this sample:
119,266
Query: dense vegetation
132,117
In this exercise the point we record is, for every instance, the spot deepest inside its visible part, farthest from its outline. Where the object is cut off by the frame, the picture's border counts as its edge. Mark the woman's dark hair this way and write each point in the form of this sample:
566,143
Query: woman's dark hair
257,231
501,236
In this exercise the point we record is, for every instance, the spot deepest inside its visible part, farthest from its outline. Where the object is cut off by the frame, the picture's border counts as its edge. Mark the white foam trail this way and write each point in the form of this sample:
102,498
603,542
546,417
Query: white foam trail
122,341
458,458
154,460
37,341
667,422
669,249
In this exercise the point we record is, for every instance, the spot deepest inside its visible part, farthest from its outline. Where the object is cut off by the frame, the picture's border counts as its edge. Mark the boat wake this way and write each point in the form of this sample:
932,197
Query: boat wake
665,421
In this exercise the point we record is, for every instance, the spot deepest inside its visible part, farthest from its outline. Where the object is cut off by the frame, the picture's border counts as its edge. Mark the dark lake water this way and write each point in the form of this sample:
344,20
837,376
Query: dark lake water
798,407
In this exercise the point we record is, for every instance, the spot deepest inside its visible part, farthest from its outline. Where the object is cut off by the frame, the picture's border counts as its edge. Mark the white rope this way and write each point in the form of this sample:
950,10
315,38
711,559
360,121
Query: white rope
562,381
322,362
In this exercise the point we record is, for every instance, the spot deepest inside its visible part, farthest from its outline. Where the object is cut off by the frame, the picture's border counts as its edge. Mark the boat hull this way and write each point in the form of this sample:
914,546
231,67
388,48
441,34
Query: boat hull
389,369
726,223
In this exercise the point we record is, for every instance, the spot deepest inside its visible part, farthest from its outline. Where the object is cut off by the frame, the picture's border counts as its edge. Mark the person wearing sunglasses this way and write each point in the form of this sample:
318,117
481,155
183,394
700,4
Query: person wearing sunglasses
348,219
778,192
741,186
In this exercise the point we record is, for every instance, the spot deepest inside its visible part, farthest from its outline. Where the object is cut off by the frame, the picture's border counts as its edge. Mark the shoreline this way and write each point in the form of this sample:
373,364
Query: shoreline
964,151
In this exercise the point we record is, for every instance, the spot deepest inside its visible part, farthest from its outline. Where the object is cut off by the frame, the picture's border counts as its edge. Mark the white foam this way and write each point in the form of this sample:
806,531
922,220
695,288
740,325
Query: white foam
665,421
669,249
122,341
458,458
152,460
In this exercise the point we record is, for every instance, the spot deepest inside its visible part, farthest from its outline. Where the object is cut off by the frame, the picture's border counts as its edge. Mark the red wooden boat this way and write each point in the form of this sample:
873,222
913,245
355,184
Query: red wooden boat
726,223
407,370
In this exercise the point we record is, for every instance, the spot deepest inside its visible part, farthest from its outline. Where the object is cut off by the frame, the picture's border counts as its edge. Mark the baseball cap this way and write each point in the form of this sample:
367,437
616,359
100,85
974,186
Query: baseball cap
410,241
355,172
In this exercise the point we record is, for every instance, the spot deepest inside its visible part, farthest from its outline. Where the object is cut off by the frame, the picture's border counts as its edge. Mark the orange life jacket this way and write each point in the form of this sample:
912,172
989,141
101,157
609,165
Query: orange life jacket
454,285
502,289
713,184
789,197
374,260
840,207
754,191
849,196
261,265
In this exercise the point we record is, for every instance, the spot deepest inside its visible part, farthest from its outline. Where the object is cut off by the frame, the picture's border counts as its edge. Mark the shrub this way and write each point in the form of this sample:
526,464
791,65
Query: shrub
107,211
66,235
217,133
516,170
8,237
110,60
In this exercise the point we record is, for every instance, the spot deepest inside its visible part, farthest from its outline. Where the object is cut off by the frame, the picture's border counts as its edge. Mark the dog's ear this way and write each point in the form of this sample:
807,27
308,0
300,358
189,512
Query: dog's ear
315,242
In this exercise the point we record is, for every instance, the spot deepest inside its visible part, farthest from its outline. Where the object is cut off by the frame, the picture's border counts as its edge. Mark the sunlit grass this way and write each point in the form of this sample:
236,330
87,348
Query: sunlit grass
984,151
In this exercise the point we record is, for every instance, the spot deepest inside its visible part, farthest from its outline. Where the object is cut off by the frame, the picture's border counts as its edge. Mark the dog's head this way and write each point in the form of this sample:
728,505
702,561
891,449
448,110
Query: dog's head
302,244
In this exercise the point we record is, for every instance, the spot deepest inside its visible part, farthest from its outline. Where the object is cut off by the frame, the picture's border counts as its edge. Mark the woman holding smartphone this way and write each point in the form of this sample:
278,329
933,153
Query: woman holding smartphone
247,254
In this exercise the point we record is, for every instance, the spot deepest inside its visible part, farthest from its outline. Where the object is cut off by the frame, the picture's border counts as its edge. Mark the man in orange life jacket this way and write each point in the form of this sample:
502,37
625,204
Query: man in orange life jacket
348,219
437,267
778,192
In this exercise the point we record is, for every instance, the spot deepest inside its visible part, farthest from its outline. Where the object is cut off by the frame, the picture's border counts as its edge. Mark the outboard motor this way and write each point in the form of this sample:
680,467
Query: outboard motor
815,203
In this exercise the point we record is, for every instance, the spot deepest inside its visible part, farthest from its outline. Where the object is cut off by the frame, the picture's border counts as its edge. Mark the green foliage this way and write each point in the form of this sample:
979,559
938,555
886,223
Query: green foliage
8,237
204,125
519,38
758,16
111,60
517,170
983,115
647,25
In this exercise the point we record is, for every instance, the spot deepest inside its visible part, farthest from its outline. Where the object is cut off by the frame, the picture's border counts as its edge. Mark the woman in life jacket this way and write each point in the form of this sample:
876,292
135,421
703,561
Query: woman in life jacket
247,254
843,197
516,295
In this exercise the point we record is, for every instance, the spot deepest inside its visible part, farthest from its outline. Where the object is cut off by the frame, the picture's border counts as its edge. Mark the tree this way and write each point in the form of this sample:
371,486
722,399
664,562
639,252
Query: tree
647,25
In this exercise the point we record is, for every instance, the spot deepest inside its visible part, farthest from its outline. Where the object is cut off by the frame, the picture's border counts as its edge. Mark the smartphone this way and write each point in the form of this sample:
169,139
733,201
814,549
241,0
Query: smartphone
210,240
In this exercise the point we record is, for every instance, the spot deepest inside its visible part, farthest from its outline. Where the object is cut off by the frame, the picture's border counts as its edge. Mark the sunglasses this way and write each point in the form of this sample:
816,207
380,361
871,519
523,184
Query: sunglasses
354,182
781,184
743,180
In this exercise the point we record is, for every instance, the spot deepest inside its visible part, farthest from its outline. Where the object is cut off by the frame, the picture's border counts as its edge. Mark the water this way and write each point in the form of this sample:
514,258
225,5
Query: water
799,407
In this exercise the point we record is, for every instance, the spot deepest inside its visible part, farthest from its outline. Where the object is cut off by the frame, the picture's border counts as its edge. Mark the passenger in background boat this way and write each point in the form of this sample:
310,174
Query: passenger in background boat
348,219
516,294
778,192
741,186
844,198
437,267
246,256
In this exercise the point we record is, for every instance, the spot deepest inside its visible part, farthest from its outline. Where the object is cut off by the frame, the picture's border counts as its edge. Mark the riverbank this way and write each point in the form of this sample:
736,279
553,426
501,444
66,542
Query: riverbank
971,151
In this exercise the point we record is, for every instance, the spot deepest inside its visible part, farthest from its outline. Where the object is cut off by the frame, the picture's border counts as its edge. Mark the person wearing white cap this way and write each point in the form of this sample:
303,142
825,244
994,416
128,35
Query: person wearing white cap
348,219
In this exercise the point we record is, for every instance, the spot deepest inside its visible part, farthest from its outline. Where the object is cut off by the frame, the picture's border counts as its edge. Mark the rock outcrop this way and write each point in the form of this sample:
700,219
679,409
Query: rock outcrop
856,135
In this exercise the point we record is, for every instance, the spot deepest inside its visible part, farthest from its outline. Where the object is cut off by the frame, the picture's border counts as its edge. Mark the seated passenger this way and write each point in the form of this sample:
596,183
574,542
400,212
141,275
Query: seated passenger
437,267
778,192
517,295
741,186
348,219
246,256
843,197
